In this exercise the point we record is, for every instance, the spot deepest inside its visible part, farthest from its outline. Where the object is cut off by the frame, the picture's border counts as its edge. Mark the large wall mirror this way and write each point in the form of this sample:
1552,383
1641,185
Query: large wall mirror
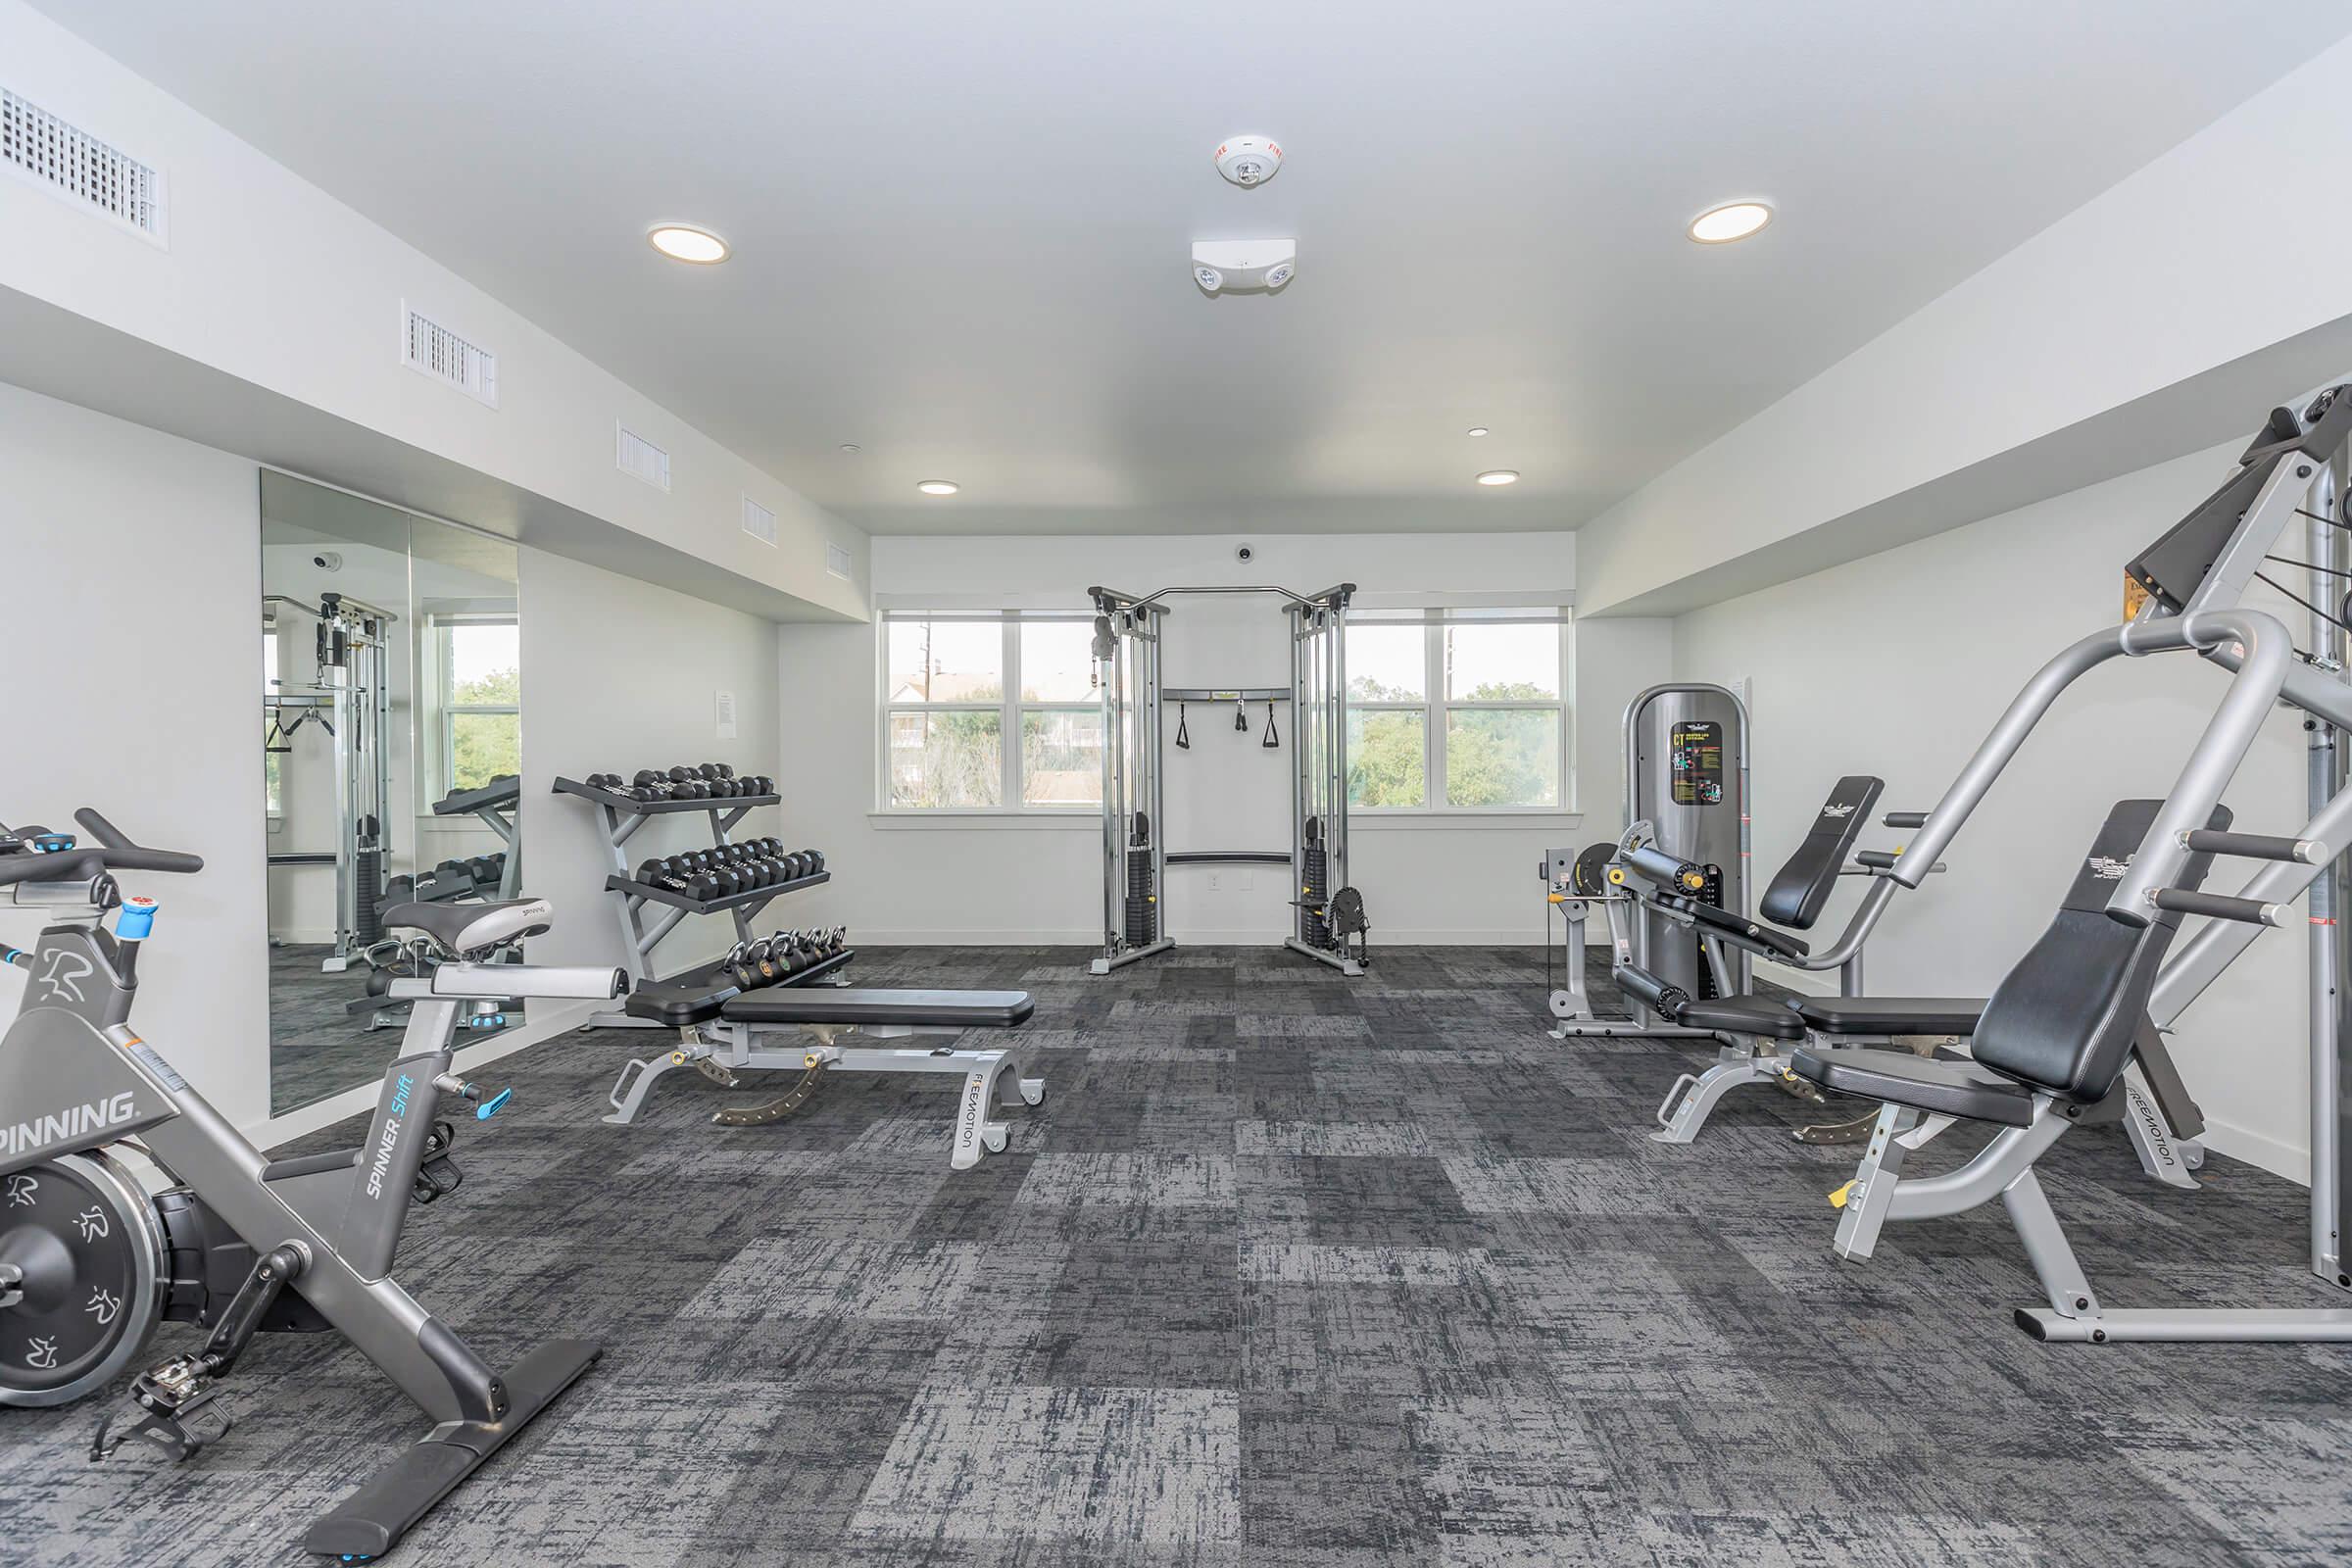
392,762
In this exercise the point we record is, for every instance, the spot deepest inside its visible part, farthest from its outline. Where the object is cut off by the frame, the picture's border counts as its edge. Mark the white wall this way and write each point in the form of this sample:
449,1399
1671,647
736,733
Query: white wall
922,879
1897,665
620,675
131,652
277,283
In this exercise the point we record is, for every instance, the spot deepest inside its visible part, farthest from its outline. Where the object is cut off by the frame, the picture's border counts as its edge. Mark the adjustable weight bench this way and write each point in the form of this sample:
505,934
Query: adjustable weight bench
723,1031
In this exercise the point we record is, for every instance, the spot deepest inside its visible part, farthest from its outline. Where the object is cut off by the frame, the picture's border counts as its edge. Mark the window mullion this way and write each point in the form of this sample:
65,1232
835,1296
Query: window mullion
1433,713
1009,717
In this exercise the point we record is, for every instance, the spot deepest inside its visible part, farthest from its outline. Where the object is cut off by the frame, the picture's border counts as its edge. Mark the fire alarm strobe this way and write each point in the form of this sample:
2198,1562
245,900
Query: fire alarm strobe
1237,266
1248,160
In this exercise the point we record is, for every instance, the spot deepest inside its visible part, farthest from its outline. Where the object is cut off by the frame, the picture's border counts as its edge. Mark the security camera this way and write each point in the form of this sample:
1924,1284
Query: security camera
328,560
1243,555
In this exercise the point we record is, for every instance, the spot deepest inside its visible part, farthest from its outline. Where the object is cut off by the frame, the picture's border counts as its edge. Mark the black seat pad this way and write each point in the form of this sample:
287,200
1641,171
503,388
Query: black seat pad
1742,1015
687,1000
955,1009
445,923
1741,928
1890,1015
1897,1077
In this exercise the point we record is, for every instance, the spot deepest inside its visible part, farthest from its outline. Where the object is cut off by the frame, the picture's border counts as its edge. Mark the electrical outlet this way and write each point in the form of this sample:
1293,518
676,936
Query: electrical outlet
1216,881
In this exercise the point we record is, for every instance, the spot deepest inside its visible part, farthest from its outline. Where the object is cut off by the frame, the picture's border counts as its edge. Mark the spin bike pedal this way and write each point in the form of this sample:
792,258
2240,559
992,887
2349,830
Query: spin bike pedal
161,1400
437,1175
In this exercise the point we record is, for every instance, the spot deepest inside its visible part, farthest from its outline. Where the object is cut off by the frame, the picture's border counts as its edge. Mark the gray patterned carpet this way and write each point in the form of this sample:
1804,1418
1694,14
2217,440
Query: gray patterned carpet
1288,1270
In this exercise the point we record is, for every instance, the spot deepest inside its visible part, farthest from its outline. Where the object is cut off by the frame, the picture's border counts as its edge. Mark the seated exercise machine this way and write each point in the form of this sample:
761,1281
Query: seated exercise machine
237,1242
1328,921
2100,988
1647,889
725,1030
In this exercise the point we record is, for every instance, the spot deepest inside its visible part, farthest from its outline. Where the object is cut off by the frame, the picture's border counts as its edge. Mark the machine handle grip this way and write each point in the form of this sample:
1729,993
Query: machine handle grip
1665,869
2254,845
2221,907
1905,819
122,855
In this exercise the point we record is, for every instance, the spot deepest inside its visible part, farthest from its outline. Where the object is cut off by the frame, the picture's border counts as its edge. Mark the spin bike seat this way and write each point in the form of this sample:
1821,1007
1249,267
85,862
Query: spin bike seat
463,928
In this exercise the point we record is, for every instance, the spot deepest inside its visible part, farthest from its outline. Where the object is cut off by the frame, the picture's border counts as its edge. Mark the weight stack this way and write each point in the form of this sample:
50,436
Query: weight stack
1313,928
368,868
1143,910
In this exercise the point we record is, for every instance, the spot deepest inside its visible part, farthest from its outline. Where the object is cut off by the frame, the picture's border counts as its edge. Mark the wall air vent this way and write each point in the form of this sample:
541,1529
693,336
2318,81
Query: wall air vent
639,458
69,162
758,521
836,562
431,349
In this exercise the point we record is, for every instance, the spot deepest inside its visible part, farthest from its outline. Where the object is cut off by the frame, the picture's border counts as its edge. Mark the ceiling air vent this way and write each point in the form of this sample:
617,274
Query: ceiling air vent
634,454
431,349
758,521
71,163
836,562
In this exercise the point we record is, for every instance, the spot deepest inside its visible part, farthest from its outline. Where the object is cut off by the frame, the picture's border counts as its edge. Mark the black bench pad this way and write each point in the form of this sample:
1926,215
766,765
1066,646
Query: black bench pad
1890,1015
1922,1083
944,1010
1742,1015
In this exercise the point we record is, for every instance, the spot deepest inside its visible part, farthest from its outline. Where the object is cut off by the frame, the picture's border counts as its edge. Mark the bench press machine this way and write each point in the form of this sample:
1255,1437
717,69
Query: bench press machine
723,1031
2086,1003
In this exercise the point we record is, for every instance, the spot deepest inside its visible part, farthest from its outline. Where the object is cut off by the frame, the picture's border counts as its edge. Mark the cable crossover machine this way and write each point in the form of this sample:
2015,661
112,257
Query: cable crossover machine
1328,922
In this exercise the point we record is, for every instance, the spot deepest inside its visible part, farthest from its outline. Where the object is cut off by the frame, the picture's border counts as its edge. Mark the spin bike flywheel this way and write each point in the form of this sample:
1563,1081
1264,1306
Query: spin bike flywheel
81,1242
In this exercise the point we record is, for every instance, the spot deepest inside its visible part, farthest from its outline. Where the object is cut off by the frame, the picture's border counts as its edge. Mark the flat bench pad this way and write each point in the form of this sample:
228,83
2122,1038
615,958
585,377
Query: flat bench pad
1954,1088
938,1009
1890,1015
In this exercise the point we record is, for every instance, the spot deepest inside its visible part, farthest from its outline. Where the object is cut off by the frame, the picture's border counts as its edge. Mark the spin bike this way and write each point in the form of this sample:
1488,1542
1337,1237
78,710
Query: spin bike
91,1261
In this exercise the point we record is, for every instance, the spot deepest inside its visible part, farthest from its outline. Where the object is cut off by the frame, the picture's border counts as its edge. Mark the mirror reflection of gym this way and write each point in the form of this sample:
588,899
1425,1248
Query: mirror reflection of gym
391,652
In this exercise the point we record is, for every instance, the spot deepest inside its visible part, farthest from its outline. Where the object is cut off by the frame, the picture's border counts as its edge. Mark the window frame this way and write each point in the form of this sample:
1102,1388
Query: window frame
1011,710
1436,707
442,672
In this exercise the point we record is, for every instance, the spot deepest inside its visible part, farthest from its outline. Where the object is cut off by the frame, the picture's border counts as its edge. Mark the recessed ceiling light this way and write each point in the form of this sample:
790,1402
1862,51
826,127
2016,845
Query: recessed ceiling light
1500,476
1479,429
1720,225
682,242
851,447
938,487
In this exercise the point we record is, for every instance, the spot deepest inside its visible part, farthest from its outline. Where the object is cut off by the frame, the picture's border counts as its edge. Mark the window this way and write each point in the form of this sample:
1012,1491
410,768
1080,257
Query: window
477,687
956,687
1459,710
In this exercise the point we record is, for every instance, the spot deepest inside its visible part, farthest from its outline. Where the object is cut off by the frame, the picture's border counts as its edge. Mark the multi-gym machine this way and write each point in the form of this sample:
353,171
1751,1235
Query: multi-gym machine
351,698
1329,923
1685,791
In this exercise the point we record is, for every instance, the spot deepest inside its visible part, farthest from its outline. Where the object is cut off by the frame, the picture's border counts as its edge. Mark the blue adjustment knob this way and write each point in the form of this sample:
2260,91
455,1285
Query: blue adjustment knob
489,1108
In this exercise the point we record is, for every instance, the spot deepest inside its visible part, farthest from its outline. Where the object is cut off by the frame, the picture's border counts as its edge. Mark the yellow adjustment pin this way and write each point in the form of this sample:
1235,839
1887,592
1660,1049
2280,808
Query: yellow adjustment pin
1617,875
1837,1199
677,1058
1556,897
1695,880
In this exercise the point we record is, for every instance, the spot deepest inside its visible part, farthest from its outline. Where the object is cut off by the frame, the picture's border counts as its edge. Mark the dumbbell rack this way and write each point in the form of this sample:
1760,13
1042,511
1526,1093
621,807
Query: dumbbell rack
621,817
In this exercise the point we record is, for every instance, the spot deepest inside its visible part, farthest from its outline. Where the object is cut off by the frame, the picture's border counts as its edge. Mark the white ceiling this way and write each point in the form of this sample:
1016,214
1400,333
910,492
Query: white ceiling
963,230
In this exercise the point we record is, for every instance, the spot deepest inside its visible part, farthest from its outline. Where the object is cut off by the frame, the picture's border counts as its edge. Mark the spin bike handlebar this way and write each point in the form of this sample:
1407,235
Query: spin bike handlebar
114,852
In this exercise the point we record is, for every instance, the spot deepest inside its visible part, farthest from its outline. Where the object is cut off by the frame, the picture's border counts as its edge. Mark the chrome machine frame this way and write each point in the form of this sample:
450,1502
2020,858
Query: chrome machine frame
1128,637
